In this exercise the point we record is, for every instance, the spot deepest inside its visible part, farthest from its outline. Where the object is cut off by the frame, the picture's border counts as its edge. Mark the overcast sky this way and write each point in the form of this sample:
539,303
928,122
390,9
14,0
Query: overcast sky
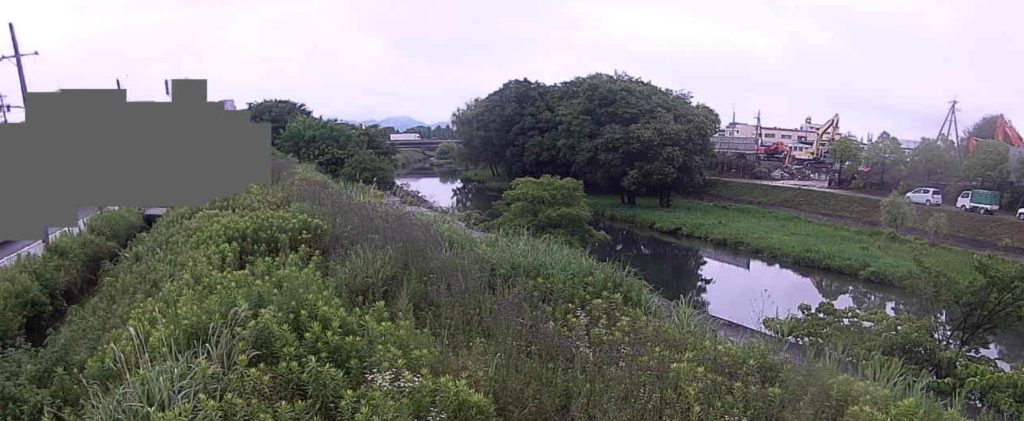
882,65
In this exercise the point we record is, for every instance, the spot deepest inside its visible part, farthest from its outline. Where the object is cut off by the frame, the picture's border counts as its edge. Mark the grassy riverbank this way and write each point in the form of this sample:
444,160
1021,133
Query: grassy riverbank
310,299
996,231
484,176
870,254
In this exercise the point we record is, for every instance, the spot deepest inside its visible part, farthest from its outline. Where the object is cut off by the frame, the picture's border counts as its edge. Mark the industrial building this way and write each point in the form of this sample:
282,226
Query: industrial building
804,133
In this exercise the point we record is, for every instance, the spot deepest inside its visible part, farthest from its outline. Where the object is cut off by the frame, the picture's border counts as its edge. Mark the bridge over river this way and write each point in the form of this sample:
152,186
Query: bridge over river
427,145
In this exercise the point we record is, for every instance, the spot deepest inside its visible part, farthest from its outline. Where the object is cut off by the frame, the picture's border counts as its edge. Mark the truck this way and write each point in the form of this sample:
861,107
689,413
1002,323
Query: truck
980,201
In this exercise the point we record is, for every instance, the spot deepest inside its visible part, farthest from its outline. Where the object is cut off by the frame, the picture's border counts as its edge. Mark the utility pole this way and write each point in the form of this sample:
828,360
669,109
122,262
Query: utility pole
17,60
949,127
24,93
758,131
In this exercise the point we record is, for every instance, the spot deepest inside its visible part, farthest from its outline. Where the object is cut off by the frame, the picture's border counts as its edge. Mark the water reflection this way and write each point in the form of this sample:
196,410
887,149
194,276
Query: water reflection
435,186
474,196
444,188
736,286
741,288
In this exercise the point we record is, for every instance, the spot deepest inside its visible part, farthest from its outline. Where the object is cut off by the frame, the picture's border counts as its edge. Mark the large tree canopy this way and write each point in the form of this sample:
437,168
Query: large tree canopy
616,133
932,160
885,159
277,112
984,128
989,164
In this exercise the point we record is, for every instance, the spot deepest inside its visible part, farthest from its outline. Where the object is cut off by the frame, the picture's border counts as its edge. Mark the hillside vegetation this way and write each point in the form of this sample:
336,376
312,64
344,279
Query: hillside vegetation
310,299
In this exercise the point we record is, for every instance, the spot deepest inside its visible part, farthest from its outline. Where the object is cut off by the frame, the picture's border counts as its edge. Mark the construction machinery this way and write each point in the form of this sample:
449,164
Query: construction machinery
777,151
815,155
1005,132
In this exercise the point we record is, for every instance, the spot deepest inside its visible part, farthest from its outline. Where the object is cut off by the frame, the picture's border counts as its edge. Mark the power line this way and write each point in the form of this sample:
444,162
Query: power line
17,61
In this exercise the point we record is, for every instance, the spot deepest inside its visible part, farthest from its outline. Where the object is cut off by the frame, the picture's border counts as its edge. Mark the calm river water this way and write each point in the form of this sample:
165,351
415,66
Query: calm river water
726,283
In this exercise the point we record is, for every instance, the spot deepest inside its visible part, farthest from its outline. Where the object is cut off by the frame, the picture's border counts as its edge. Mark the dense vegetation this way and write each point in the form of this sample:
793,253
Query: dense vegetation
908,341
341,150
309,299
616,133
547,206
867,210
37,289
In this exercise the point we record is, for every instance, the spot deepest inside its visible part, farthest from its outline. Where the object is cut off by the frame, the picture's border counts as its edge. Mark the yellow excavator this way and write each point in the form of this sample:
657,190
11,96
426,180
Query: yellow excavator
816,154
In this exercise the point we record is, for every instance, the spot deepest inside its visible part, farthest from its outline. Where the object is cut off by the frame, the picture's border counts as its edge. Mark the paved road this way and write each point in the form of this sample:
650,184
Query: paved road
8,248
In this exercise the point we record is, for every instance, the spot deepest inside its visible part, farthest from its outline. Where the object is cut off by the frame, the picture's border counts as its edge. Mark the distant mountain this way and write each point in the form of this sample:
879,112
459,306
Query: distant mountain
400,122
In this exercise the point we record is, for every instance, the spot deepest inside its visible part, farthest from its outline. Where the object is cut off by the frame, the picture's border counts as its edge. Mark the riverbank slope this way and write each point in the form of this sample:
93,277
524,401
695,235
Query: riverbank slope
870,254
995,233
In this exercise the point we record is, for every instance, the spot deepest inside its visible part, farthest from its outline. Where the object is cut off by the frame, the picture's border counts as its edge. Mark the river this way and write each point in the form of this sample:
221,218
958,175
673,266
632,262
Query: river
726,283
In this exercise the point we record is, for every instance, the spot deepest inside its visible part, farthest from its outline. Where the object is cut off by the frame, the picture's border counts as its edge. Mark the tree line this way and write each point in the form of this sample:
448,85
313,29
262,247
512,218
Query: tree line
884,165
339,149
616,133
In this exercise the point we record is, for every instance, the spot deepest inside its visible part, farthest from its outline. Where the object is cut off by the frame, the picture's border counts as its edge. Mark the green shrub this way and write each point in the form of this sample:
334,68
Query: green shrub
896,211
116,226
547,206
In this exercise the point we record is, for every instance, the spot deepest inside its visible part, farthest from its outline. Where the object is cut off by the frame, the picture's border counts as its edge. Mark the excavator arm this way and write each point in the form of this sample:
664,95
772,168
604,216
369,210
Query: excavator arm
1005,132
830,128
826,134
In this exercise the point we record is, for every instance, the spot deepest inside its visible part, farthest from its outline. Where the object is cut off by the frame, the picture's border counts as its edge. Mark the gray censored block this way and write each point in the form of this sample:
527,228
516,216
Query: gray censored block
91,147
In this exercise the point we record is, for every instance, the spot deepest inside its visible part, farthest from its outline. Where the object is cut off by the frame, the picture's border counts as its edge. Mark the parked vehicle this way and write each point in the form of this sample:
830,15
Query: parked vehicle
981,201
1020,214
925,196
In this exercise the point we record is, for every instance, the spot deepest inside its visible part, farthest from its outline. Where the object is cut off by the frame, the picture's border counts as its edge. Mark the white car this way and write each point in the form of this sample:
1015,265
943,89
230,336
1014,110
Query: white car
1020,214
925,196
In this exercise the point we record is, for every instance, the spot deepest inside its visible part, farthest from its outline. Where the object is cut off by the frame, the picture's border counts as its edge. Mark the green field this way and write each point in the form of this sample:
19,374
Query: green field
993,230
871,254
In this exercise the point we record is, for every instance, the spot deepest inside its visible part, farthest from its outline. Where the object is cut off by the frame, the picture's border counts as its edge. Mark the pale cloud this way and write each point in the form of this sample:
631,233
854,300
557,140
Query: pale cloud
883,65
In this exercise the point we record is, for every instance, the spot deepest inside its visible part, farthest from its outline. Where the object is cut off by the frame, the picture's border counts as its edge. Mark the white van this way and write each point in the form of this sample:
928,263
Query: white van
925,196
